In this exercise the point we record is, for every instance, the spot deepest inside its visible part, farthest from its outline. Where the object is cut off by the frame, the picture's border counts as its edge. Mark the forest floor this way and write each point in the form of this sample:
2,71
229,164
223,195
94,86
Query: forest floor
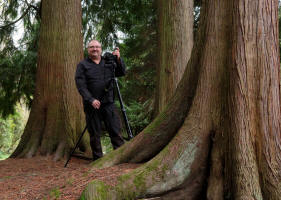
42,178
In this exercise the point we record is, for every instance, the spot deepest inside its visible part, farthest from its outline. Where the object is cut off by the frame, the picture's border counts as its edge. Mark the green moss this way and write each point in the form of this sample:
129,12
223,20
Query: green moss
165,151
55,193
165,168
152,166
106,161
129,185
140,176
124,177
101,163
126,193
83,197
97,190
156,123
139,182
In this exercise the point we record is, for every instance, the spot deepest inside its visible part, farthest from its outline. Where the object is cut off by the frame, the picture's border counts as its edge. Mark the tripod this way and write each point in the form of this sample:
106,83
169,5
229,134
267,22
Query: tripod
129,132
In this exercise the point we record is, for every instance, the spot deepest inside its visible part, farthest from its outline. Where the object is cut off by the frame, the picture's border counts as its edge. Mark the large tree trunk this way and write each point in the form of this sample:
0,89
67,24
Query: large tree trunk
254,102
229,144
175,28
55,115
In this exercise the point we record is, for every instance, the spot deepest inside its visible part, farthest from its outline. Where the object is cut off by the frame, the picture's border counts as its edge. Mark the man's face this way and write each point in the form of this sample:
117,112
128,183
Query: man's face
94,49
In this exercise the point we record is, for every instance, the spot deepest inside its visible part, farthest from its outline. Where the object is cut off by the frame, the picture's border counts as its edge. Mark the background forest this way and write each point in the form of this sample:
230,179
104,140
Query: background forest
130,26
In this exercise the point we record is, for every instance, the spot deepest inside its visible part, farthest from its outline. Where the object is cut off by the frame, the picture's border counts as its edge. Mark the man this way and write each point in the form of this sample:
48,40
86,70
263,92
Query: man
94,82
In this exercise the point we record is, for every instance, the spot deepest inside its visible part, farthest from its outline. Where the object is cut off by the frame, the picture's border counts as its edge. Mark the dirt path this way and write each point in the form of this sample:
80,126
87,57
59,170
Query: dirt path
42,178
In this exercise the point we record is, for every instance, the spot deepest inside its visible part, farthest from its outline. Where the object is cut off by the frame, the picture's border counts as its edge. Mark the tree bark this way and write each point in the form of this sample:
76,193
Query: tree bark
254,101
56,112
228,146
175,28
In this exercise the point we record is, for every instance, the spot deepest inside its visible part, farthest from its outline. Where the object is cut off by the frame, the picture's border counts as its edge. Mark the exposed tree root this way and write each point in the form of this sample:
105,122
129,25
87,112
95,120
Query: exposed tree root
43,135
180,165
158,134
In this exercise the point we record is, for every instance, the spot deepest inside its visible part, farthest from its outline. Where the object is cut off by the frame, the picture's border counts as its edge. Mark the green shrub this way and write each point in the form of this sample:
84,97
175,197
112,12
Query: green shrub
139,115
11,129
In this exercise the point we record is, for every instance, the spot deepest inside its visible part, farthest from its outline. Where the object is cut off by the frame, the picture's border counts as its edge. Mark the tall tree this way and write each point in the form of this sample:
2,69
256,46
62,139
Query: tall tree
219,137
55,115
175,29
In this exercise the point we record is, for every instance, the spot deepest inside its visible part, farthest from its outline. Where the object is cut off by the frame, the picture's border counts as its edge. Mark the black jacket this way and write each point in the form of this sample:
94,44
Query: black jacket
94,81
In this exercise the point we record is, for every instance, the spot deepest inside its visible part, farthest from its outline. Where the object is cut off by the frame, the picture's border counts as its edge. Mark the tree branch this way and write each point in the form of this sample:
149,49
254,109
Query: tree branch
23,15
33,6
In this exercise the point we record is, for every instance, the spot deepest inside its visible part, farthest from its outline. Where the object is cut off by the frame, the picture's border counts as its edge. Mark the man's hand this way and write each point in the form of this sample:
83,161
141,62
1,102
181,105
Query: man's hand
96,104
116,52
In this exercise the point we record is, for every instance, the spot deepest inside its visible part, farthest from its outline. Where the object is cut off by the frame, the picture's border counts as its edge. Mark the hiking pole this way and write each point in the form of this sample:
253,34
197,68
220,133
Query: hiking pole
129,132
80,138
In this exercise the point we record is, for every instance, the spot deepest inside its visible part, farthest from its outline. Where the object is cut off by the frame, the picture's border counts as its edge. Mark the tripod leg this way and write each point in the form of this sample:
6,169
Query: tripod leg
80,138
129,132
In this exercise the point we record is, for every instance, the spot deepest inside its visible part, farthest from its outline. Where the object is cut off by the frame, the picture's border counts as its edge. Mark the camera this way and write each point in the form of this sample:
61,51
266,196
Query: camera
109,57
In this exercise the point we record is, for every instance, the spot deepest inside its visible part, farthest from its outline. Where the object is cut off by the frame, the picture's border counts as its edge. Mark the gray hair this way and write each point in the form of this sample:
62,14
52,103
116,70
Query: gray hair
92,41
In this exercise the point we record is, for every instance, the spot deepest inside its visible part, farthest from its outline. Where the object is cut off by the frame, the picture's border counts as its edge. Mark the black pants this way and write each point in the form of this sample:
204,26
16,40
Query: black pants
94,117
